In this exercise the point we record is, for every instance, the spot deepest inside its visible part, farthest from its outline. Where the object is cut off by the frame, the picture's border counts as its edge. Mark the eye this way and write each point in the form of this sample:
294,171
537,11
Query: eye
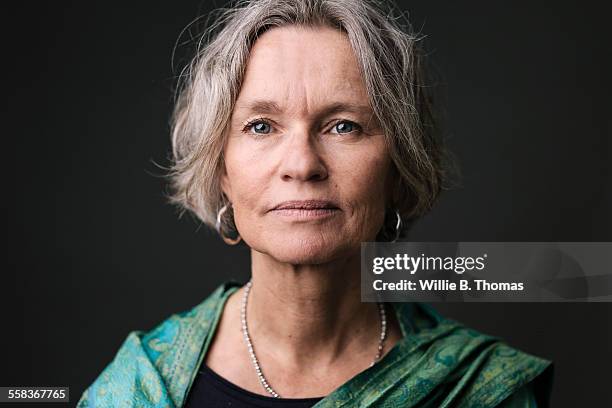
345,126
258,126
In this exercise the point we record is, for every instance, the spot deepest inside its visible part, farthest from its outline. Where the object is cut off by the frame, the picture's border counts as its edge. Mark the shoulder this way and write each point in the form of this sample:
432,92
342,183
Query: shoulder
166,344
154,368
472,368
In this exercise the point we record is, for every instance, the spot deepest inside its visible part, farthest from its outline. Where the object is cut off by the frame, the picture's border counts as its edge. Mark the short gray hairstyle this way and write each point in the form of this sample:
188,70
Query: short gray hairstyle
390,60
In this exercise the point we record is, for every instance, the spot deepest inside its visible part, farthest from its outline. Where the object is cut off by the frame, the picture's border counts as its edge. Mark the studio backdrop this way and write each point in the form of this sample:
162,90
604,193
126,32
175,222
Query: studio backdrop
91,240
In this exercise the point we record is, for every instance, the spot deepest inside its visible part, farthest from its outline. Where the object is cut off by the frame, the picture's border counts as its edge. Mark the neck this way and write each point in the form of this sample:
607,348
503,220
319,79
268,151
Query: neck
301,314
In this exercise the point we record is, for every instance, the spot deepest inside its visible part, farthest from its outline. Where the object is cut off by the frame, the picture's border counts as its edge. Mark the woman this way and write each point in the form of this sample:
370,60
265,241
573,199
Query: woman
302,128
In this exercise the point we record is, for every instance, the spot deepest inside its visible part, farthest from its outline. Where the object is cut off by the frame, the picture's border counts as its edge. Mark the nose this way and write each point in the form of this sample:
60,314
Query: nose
301,159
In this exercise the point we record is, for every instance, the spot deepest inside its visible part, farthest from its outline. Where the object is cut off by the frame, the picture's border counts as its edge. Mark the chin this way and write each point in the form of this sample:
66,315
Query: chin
304,249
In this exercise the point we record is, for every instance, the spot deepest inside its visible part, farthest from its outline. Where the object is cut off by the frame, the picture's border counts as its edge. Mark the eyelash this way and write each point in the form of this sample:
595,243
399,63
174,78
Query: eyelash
248,125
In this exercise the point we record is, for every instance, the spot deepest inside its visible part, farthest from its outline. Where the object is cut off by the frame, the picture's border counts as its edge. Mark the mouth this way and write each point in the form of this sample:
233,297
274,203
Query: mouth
306,209
306,205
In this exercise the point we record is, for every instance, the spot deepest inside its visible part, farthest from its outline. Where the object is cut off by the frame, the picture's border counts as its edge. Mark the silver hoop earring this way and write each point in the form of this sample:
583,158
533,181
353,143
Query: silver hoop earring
398,225
227,240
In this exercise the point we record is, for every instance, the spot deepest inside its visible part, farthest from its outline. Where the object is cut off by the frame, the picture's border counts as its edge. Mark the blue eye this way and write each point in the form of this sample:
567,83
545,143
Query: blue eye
260,127
344,127
257,126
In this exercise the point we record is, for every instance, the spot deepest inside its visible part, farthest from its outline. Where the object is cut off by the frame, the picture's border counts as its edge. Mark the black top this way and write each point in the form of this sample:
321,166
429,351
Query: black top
209,389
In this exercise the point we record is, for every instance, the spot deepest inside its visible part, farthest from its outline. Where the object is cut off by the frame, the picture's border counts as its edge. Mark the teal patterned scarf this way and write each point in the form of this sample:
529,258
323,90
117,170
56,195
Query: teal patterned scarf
438,363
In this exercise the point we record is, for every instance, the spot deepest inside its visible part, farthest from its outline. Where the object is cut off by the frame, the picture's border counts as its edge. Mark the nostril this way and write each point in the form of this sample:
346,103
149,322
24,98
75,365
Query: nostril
305,176
318,177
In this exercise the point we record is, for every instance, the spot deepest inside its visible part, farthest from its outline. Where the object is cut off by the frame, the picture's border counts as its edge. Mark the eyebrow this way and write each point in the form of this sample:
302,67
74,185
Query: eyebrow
261,106
269,106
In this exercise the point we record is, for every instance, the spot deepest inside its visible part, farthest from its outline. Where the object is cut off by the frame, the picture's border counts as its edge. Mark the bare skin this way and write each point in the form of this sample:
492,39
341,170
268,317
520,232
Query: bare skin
318,139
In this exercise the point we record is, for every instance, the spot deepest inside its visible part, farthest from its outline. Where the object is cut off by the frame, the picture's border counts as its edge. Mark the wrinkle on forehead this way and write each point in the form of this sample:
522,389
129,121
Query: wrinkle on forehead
302,70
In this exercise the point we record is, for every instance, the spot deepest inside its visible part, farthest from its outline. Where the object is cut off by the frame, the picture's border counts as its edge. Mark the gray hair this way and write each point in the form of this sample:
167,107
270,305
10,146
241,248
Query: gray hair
390,61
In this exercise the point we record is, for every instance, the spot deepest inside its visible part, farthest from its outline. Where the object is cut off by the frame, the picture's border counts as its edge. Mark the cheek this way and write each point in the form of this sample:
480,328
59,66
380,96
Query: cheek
364,186
241,174
245,188
247,180
366,179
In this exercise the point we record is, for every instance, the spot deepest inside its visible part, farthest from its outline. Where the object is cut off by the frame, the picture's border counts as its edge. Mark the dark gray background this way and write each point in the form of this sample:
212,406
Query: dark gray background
92,250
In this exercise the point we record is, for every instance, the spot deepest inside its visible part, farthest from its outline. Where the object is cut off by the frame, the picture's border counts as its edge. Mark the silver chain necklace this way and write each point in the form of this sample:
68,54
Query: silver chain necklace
247,338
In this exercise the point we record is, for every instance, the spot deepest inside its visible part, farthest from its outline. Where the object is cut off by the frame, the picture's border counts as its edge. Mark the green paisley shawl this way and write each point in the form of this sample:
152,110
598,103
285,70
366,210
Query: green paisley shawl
438,363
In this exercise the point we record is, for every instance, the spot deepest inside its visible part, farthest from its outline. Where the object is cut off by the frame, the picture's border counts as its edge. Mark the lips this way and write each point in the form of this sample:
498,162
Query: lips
306,205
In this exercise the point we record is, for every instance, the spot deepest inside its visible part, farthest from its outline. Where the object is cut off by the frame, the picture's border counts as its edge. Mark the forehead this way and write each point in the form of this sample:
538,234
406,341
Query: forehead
302,66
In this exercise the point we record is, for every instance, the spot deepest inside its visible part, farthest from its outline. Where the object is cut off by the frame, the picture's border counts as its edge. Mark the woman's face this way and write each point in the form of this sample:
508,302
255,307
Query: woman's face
306,167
